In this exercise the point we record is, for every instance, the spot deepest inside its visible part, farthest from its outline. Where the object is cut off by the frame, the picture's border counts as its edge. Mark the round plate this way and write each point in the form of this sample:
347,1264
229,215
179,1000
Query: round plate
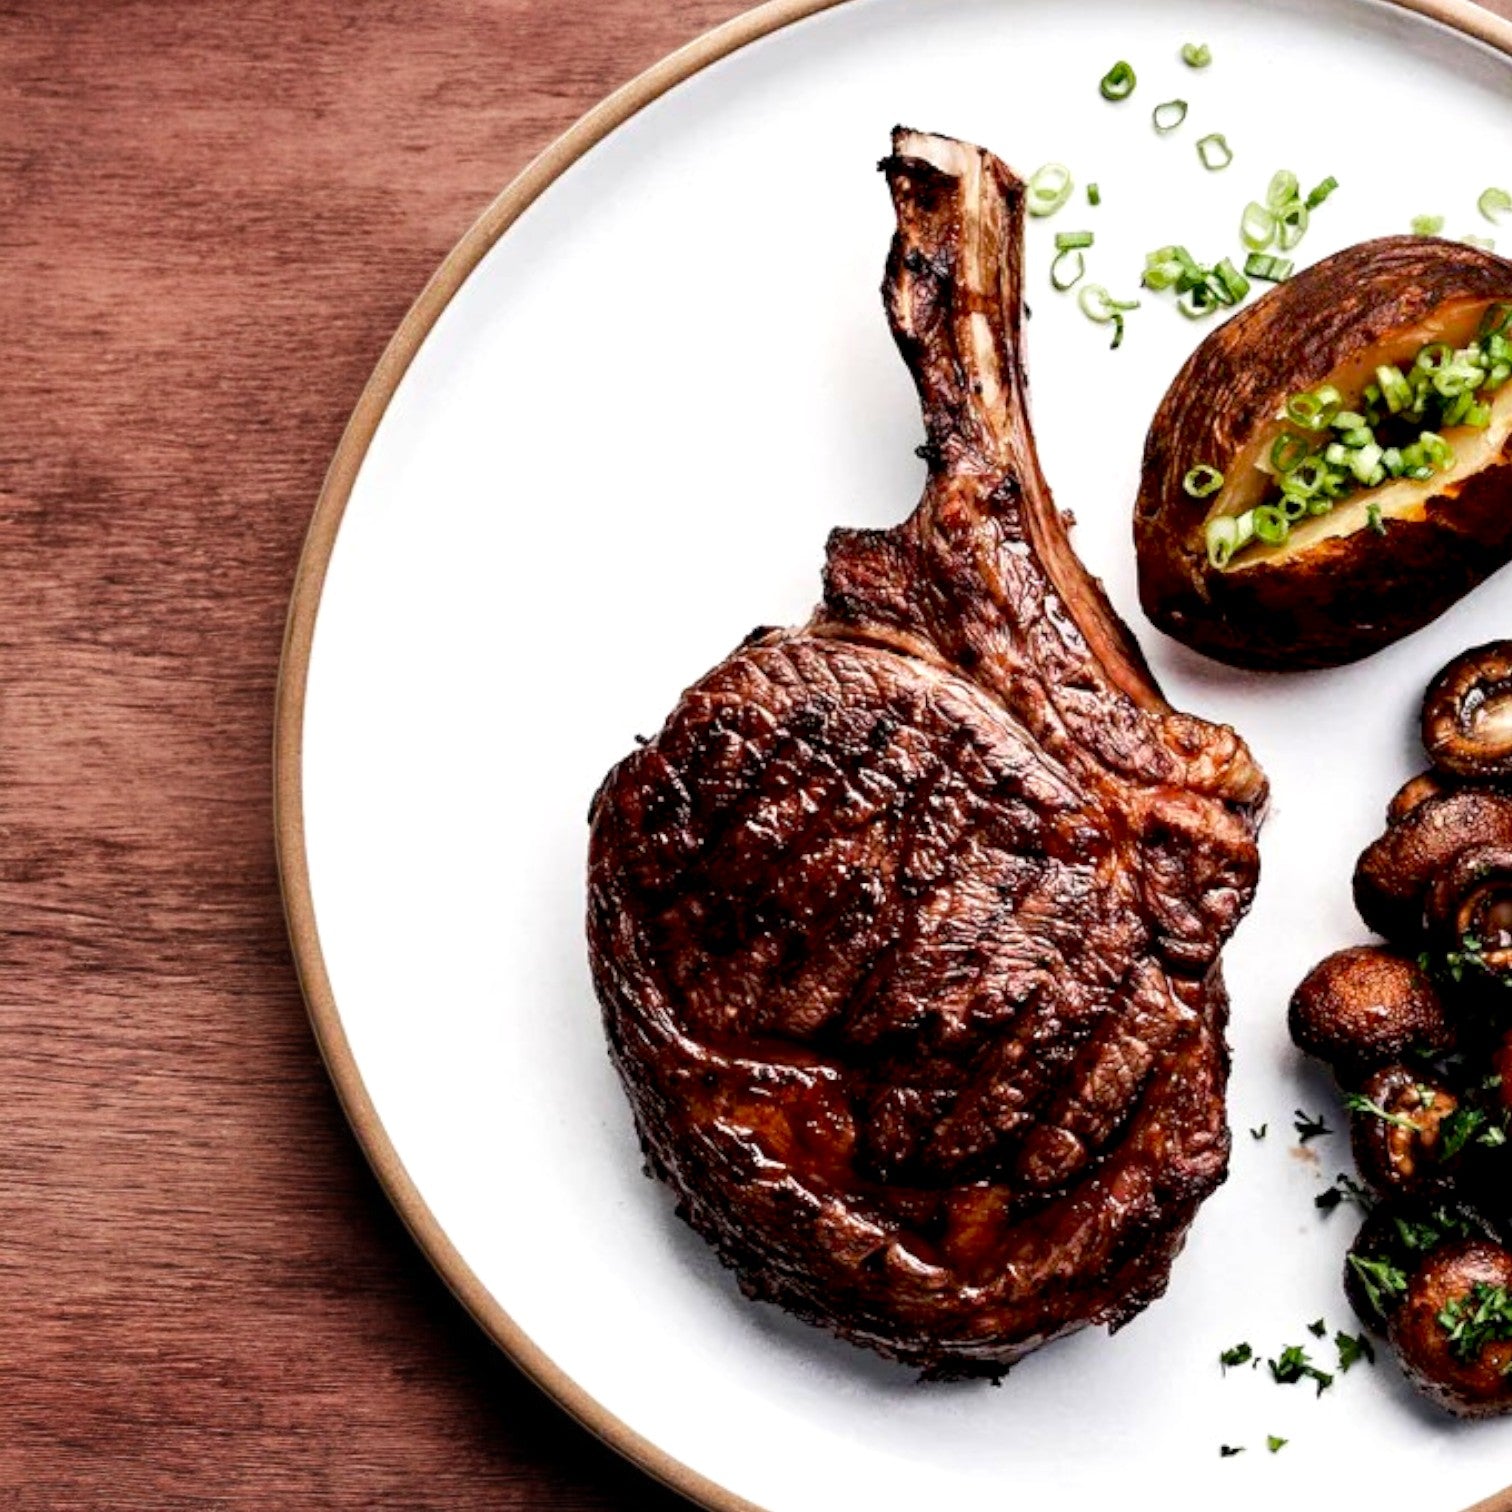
601,449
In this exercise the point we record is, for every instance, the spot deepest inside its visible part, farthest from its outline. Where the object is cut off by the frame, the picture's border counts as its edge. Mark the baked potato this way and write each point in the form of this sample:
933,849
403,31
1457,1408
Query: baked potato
1332,468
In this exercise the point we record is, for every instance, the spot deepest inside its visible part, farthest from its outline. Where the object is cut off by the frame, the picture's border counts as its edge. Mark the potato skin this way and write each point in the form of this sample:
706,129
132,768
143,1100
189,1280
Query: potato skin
1468,1388
1351,595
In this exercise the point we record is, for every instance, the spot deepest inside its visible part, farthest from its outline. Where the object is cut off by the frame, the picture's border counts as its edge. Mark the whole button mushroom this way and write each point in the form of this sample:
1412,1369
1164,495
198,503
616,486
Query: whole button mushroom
1467,714
1393,873
1453,1329
1396,1130
1366,1007
1468,908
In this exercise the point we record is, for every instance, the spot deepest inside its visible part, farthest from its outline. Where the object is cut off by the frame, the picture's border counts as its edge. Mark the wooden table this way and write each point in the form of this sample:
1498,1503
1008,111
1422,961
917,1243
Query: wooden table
214,213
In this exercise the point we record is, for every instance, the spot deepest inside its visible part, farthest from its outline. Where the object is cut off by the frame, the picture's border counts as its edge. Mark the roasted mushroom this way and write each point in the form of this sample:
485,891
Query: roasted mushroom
1366,1007
1396,1130
1468,909
1467,714
1453,1329
1393,874
1333,466
1397,1235
1413,792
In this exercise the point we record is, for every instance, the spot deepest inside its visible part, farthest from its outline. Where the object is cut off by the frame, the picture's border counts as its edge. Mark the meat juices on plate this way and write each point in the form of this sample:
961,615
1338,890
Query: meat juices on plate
906,925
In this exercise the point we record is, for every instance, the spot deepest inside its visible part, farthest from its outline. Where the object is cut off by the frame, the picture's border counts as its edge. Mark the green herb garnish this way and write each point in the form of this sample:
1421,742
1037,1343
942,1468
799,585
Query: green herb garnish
1309,1128
1318,1328
1196,54
1382,1281
1118,83
1482,1318
1294,1366
1260,1132
1228,1451
1240,1354
1352,1349
1274,1444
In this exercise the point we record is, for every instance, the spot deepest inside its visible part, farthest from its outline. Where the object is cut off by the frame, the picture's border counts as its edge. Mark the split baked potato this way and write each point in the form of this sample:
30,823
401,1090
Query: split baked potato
1332,468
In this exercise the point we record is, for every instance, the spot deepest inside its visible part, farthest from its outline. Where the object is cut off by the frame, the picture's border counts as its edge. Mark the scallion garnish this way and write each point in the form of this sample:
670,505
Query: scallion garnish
1494,204
1202,481
1196,54
1233,282
1316,196
1068,241
1485,243
1291,224
1100,306
1271,269
1283,189
1257,226
1118,83
1049,188
1094,195
1427,225
1168,115
1215,152
1067,269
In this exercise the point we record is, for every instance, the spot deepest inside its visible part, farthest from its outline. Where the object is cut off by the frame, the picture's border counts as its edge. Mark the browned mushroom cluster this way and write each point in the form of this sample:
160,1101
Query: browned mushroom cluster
1418,1033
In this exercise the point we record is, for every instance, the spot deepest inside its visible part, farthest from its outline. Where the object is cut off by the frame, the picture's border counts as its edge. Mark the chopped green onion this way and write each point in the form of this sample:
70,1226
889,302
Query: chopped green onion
1283,189
1291,224
1373,519
1494,204
1271,269
1049,188
1234,282
1067,269
1094,195
1317,196
1311,411
1395,389
1427,225
1068,241
1169,115
1202,481
1118,83
1100,306
1485,243
1196,54
1271,526
1215,152
1288,452
1222,541
1257,227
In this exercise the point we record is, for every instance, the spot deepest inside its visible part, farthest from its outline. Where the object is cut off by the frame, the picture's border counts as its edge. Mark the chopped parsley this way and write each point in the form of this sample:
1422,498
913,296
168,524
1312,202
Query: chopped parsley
1344,1189
1358,1103
1240,1354
1260,1132
1382,1281
1294,1366
1318,1329
1352,1349
1228,1451
1309,1128
1466,1124
1482,1318
1274,1444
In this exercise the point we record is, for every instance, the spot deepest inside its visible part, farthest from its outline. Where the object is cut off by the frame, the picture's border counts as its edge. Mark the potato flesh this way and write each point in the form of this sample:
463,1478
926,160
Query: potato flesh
1252,483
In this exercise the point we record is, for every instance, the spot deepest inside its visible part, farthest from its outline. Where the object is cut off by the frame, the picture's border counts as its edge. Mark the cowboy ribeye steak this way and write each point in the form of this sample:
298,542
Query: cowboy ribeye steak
906,924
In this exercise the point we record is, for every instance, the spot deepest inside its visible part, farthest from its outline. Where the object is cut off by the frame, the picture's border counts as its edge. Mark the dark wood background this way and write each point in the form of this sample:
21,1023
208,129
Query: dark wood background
212,215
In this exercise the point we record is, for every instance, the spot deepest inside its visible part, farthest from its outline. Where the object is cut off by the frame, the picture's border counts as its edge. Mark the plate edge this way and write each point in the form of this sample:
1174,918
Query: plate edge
1462,16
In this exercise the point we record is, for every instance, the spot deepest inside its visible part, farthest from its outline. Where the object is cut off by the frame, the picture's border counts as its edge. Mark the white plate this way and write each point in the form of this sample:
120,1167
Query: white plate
617,448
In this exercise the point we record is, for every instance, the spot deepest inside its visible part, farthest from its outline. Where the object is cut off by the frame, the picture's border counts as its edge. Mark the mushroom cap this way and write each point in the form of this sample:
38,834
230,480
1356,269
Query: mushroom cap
1393,873
1399,1154
1366,1007
1469,1378
1413,792
1467,714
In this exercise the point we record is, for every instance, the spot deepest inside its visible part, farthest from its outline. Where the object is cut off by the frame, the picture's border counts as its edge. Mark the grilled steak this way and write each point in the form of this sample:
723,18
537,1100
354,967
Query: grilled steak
906,924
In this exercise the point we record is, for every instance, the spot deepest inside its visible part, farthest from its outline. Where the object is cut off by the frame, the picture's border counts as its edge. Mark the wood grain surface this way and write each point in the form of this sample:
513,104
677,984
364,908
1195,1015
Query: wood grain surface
213,214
